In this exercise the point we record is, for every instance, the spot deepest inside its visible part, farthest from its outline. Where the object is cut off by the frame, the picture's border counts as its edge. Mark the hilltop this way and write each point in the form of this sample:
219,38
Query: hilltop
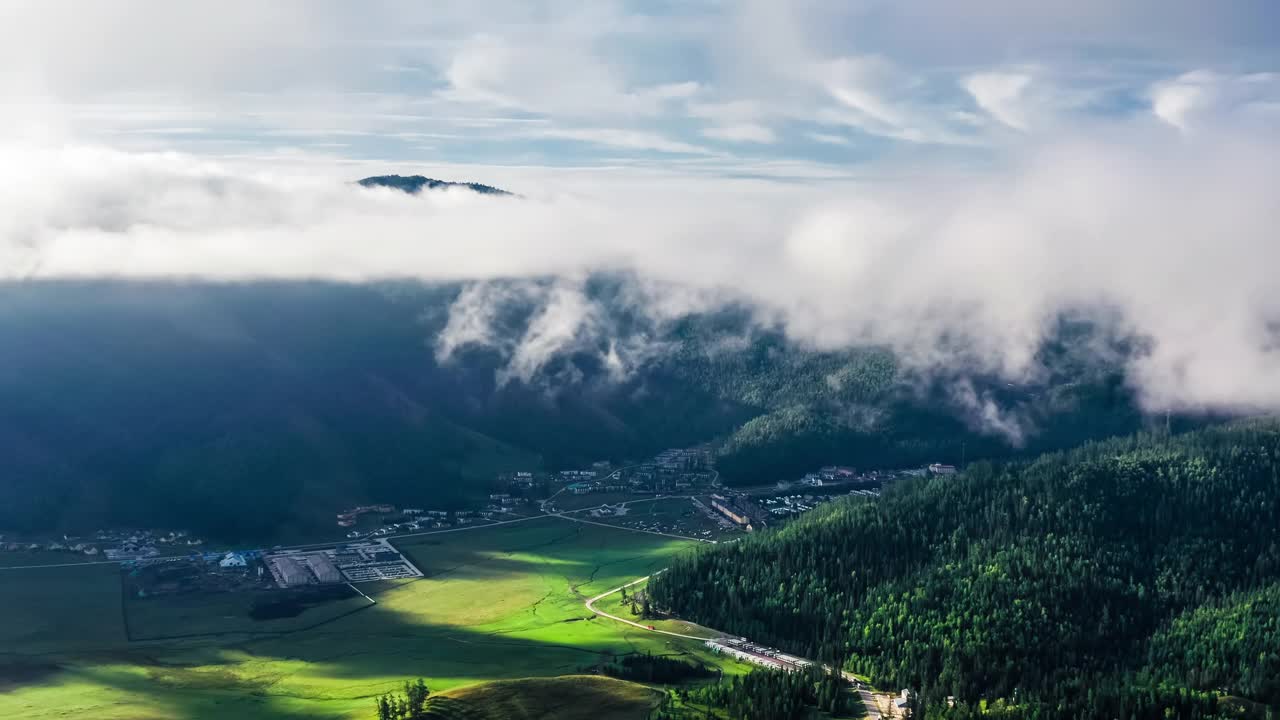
570,697
417,183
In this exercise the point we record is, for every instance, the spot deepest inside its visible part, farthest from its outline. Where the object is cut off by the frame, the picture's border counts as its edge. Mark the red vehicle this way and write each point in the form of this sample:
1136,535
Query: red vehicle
652,627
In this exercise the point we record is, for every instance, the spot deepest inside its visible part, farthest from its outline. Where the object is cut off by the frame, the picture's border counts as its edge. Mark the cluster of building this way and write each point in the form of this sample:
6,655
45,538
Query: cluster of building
348,518
792,504
505,502
842,475
675,469
113,545
746,651
584,488
829,474
735,509
683,459
417,520
354,562
48,546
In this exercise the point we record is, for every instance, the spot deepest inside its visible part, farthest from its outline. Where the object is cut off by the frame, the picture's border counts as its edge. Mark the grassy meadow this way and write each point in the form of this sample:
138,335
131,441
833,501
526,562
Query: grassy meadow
498,603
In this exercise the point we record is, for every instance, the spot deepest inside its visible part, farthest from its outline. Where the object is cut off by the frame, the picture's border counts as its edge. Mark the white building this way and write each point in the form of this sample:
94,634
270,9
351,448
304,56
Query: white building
232,560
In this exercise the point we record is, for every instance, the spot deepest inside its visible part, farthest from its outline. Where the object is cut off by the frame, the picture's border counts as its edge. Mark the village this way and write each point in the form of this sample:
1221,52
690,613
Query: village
113,545
677,492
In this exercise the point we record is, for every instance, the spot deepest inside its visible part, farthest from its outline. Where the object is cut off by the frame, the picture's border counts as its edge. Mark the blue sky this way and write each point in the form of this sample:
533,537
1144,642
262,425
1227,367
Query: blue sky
804,89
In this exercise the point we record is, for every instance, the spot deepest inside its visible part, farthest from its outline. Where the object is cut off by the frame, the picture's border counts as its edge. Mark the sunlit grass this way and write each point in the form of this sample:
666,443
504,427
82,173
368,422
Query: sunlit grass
501,602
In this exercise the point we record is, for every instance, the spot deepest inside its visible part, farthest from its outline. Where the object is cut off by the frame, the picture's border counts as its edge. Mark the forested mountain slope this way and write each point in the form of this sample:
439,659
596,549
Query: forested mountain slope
247,409
1038,583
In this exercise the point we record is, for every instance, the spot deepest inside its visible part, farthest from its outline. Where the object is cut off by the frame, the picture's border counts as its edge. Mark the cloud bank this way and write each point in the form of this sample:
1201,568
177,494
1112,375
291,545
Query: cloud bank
1162,222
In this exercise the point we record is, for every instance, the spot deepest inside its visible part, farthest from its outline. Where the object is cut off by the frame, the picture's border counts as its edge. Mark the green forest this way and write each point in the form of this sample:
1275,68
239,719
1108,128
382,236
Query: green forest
1131,578
258,410
766,694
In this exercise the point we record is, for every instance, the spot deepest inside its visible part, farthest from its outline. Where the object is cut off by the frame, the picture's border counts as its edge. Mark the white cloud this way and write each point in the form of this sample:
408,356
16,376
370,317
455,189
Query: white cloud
741,133
1174,234
1175,101
1001,95
628,139
878,97
1088,207
829,139
1201,95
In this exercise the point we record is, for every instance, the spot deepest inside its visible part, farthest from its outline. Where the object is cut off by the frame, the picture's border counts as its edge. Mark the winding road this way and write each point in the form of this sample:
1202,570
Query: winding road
591,607
872,702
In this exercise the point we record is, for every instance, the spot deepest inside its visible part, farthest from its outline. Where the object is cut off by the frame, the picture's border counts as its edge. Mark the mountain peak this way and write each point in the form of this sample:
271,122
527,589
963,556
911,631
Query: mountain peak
414,184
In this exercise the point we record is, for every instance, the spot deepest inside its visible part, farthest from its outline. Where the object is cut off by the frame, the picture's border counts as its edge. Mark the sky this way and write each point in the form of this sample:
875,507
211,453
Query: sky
945,179
804,90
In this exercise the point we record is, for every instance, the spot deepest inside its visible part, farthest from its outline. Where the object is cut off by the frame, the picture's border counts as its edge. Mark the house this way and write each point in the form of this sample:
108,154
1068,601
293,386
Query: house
811,480
232,560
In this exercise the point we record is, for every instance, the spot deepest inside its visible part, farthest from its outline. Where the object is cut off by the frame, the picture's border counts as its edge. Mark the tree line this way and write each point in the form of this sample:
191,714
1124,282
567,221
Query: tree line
411,704
765,694
1068,586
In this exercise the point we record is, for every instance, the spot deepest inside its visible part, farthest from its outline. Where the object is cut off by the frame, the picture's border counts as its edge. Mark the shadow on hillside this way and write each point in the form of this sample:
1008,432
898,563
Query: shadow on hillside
363,655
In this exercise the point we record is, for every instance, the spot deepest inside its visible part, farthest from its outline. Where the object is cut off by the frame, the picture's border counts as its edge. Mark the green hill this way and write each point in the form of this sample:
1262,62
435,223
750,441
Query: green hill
1040,584
572,697
259,409
1231,643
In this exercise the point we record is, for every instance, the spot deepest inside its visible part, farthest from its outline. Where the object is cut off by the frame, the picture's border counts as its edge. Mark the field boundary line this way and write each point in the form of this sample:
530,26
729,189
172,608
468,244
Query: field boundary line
366,597
58,565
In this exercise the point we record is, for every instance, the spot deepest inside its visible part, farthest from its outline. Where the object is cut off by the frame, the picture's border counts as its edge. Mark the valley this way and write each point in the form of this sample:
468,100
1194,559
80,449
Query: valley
499,602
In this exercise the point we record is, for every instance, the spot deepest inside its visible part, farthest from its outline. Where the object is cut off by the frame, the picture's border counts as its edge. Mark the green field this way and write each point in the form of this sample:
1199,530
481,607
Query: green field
177,616
60,608
497,603
45,557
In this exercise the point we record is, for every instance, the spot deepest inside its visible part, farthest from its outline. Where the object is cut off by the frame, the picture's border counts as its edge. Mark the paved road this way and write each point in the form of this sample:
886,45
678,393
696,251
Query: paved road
870,701
591,607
